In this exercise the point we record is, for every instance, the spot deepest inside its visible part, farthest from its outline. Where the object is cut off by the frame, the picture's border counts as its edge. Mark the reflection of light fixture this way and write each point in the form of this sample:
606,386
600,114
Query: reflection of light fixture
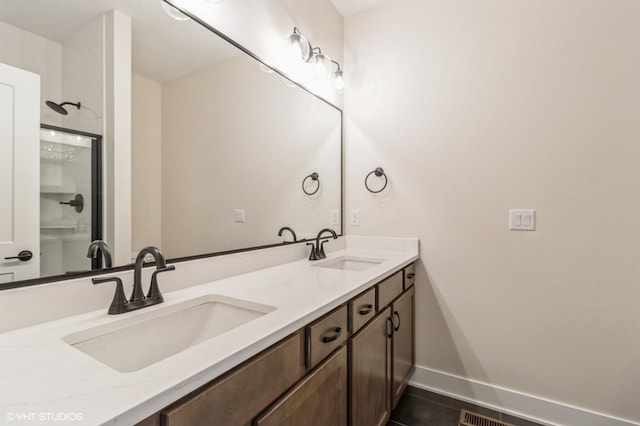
338,81
173,12
299,45
266,68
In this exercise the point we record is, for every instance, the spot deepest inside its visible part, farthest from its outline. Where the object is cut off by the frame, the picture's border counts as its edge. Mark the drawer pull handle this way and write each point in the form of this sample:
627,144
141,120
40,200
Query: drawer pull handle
411,276
396,327
366,309
390,332
328,339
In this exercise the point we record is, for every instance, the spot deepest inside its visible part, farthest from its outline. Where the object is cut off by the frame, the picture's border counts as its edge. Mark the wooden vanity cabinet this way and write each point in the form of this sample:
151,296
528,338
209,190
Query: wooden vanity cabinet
348,367
370,372
402,343
381,354
239,396
320,399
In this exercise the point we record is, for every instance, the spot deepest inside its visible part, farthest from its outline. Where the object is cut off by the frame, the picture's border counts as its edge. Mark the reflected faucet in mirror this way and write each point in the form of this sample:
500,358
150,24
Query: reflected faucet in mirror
317,250
104,249
138,300
293,234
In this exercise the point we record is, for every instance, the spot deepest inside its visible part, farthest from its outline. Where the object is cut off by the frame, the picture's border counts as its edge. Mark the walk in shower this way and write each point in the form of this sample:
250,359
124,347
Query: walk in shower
70,199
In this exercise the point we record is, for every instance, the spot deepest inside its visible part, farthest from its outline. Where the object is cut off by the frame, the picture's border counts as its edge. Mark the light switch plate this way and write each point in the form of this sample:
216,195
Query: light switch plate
335,217
355,217
522,219
238,215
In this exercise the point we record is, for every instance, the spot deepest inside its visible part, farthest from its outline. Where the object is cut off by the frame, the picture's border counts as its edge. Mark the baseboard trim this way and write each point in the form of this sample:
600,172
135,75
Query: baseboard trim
536,409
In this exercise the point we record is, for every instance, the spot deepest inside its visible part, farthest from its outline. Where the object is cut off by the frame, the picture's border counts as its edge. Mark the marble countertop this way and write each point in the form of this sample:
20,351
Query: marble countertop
43,380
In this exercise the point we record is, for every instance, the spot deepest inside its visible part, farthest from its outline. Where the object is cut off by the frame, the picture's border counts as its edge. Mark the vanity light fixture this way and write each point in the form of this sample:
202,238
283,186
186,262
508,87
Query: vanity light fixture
321,63
173,12
338,81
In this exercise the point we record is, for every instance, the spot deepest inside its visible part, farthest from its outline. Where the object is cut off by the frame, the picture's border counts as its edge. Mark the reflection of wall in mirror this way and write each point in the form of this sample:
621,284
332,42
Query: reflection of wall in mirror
224,146
69,71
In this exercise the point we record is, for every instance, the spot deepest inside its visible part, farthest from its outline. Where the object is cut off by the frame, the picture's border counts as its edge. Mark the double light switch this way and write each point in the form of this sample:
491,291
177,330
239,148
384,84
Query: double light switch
522,219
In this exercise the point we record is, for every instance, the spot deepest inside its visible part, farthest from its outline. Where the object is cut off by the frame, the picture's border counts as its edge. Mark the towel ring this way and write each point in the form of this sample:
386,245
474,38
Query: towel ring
378,172
314,177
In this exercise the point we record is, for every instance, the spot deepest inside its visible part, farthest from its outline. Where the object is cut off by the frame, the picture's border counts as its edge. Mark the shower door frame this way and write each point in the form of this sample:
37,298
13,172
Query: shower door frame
96,184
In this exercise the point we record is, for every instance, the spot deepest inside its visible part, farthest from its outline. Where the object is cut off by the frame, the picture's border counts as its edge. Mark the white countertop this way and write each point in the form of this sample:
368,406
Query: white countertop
43,380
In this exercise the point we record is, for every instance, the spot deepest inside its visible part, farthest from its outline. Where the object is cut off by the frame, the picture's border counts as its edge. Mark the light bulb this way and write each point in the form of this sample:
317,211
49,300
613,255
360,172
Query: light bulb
321,66
338,83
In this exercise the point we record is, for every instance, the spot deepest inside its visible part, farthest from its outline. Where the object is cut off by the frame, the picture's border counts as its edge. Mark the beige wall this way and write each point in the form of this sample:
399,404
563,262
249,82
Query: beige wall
39,55
474,108
235,137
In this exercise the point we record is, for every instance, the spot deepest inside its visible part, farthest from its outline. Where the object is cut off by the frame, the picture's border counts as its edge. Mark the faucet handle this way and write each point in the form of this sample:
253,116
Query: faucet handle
119,302
154,290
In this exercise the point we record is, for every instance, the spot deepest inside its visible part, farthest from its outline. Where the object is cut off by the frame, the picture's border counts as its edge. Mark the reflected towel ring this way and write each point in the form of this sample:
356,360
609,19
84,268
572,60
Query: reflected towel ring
314,177
378,172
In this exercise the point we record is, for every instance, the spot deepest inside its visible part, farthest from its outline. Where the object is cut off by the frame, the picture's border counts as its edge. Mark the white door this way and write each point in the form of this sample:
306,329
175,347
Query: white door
19,174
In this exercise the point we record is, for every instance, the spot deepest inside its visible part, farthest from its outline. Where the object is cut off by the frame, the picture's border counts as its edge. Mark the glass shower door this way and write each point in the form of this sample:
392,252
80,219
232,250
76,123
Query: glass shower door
70,199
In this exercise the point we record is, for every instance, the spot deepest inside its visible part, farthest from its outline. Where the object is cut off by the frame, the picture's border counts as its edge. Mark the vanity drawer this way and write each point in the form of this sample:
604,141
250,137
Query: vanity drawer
409,275
325,335
361,309
239,396
389,289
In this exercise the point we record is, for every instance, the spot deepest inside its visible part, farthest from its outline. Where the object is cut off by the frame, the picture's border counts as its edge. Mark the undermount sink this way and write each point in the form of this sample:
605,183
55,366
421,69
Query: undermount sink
133,343
349,263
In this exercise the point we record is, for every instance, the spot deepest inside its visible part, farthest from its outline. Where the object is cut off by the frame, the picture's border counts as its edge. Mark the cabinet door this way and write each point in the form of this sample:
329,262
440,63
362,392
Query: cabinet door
237,397
403,345
370,361
320,399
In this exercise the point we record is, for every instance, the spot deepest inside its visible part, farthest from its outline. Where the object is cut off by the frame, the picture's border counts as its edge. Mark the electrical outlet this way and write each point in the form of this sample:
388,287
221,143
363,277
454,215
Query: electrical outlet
355,217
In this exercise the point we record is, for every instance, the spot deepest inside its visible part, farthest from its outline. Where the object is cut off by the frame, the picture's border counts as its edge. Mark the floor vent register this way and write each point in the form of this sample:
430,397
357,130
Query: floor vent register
467,418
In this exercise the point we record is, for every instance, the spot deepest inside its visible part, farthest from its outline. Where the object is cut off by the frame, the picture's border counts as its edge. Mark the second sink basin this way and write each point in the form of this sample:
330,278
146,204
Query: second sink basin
133,343
349,263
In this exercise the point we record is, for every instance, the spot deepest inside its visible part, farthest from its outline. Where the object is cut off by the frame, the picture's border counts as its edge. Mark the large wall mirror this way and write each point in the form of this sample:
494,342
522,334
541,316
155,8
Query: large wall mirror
225,151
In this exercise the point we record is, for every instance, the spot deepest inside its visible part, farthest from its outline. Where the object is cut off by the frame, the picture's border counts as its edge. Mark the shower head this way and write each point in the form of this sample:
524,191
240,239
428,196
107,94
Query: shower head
59,108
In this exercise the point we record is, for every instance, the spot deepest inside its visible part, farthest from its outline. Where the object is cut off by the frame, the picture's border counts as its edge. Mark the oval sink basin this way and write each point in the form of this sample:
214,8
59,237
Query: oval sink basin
133,343
349,263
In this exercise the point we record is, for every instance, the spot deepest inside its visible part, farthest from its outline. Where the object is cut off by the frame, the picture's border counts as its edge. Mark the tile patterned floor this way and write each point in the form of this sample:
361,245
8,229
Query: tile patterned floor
423,408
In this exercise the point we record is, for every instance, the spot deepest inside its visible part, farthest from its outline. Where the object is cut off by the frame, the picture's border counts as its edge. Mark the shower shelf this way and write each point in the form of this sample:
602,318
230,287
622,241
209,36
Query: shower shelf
57,189
57,226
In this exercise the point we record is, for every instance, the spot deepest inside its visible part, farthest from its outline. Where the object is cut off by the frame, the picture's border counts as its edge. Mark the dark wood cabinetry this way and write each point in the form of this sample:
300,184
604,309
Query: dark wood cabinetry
238,397
320,399
348,367
370,370
403,344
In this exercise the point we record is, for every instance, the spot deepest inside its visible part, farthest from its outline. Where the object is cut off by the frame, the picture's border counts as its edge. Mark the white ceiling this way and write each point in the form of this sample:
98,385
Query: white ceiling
349,7
163,48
